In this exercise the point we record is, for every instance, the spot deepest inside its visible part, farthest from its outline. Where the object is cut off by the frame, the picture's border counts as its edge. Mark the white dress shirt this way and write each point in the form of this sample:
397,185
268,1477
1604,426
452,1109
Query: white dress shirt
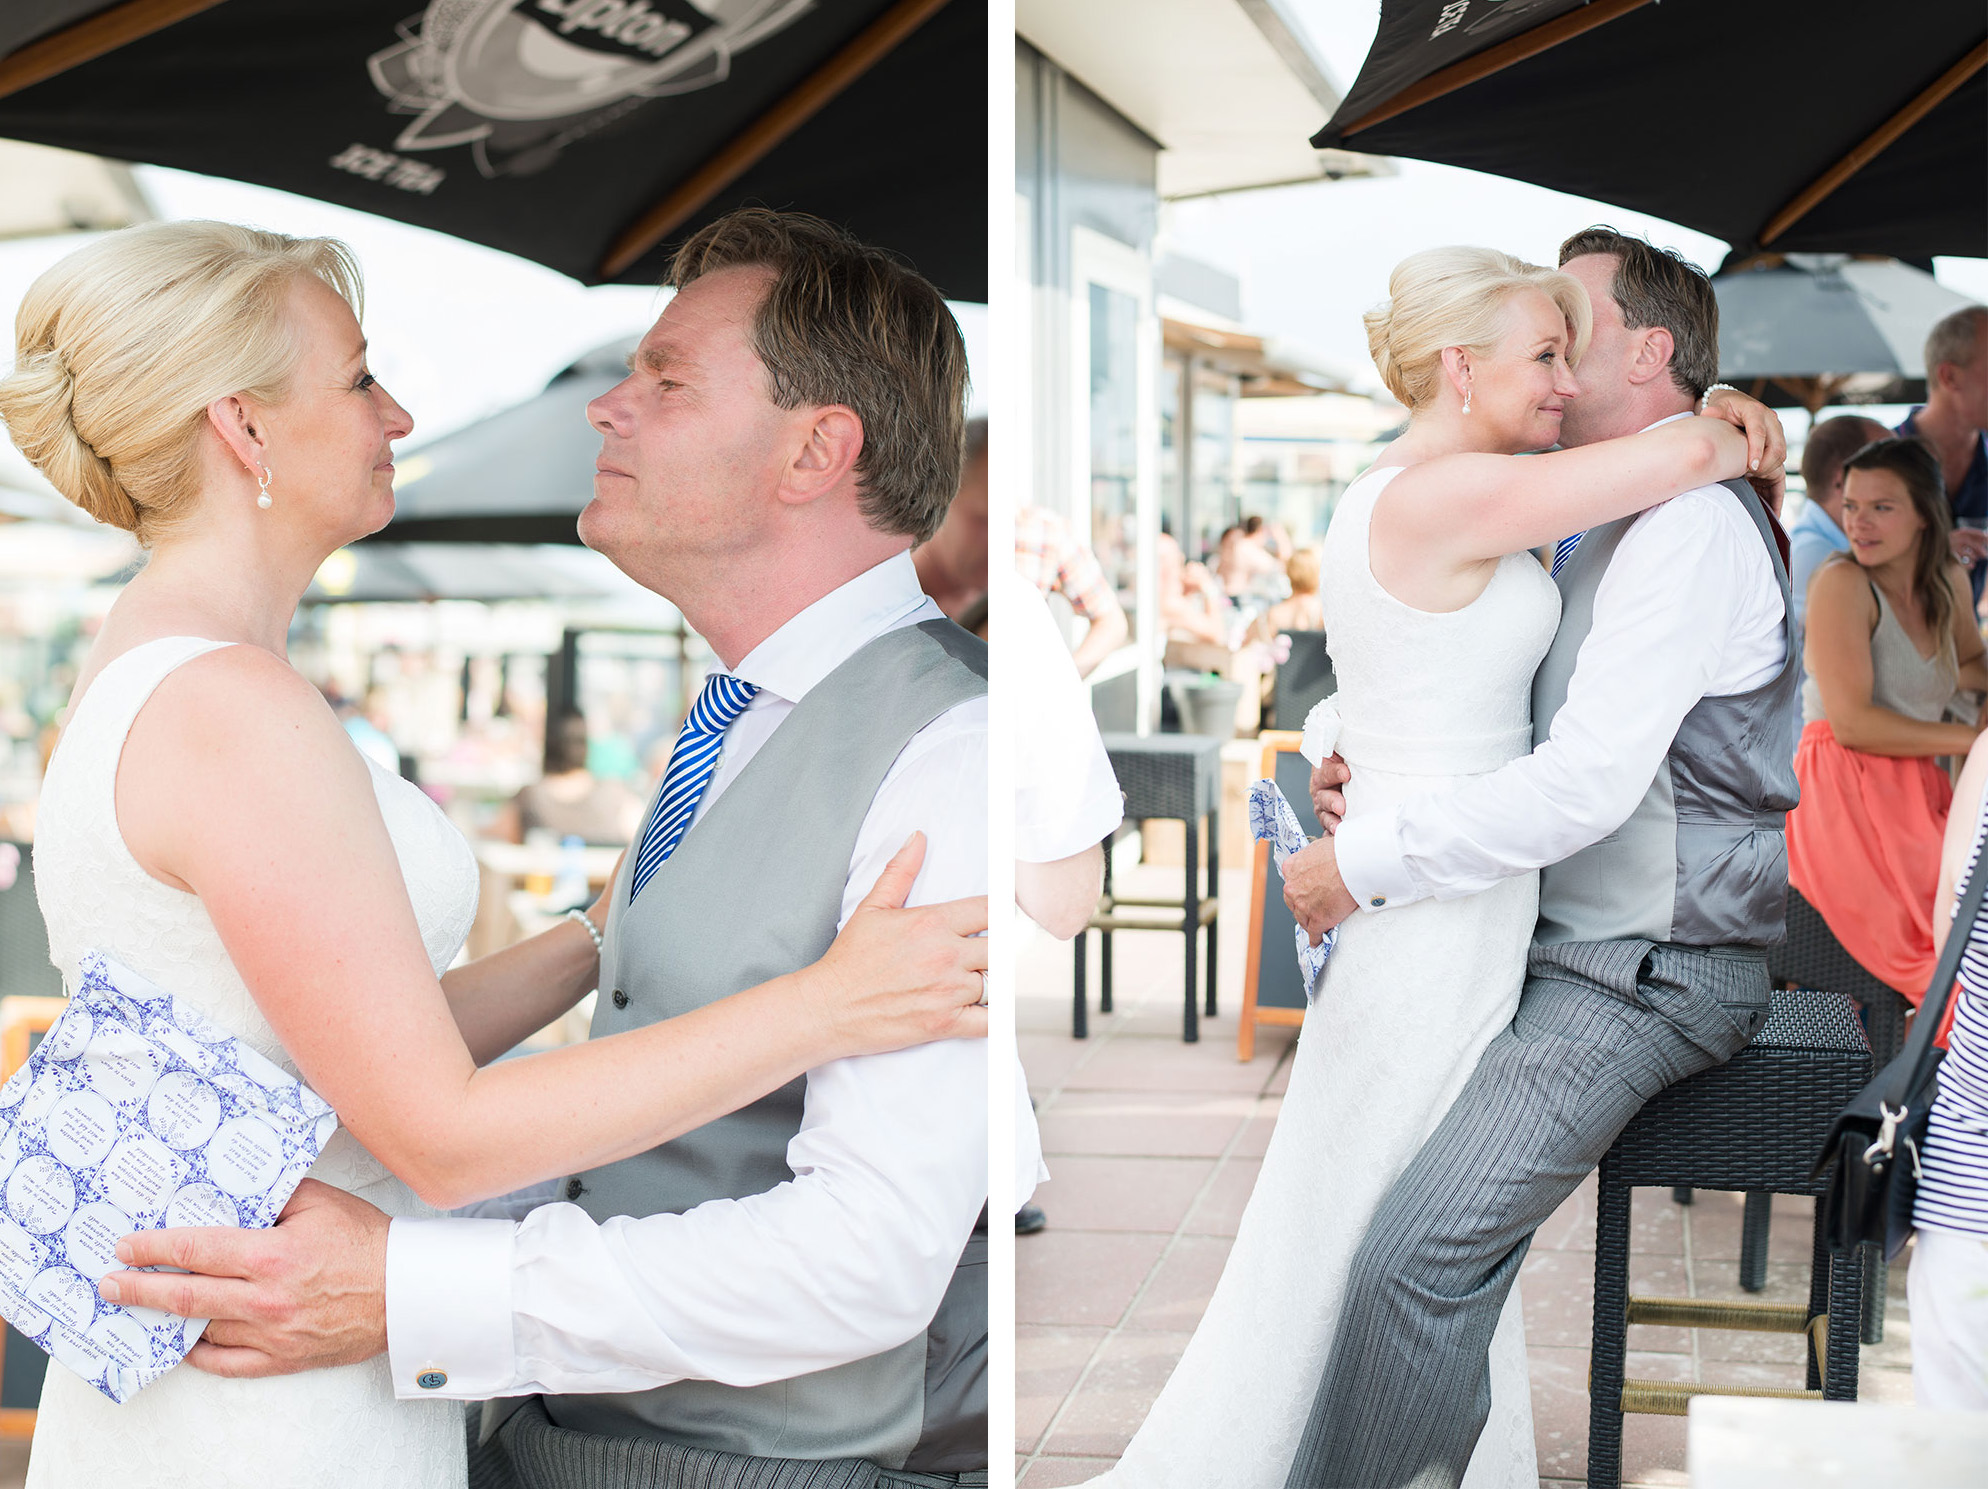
847,1259
1066,793
1688,609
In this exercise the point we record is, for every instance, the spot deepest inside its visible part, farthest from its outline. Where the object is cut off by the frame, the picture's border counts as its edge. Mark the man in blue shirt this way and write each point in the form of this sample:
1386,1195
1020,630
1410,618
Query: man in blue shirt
1952,421
1818,531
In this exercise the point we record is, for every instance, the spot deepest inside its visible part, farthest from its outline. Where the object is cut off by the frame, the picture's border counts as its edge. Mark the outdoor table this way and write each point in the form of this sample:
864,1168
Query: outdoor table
1762,1444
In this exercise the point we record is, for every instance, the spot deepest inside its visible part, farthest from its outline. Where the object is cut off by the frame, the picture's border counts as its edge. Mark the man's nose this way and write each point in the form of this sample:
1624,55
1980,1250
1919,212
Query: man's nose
608,413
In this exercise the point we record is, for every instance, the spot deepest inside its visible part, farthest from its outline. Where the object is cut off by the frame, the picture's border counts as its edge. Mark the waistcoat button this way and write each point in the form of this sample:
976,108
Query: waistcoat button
620,998
574,1189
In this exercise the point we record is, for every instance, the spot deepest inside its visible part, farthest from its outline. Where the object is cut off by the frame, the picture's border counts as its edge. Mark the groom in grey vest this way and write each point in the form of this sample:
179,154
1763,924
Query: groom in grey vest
1653,803
793,1296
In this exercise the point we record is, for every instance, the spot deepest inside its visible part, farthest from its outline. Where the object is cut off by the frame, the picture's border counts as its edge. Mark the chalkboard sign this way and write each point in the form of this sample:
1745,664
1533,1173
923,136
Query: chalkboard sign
1273,989
23,1021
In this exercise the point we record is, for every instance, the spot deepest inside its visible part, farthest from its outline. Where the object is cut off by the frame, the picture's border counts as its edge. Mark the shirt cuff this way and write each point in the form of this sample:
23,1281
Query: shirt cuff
449,1308
1371,864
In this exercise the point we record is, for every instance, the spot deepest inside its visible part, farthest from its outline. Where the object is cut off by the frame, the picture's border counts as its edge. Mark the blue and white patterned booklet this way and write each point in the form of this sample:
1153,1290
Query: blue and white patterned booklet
1272,820
135,1113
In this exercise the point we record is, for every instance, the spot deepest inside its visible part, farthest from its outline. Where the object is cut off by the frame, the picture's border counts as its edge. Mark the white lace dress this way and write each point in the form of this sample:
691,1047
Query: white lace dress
326,1429
1406,1004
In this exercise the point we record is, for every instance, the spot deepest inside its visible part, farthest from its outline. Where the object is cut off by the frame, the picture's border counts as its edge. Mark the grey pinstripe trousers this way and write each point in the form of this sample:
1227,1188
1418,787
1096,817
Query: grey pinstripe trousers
529,1452
1602,1026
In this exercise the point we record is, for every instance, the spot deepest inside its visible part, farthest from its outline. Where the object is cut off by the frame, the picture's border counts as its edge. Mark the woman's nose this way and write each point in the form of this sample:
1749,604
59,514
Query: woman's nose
1566,384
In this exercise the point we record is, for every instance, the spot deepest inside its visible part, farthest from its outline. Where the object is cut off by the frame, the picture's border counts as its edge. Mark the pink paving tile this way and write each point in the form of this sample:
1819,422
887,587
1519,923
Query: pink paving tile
1153,1123
1056,1473
1715,1228
1048,1363
1127,1374
1219,1210
1181,1286
1560,1418
1050,1058
1274,1043
1082,1278
1656,1224
1122,1194
1160,1062
1557,1289
1255,1140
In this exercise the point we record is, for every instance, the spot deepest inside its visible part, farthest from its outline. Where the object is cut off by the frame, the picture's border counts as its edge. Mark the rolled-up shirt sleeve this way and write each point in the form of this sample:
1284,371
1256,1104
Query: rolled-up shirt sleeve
1681,583
848,1258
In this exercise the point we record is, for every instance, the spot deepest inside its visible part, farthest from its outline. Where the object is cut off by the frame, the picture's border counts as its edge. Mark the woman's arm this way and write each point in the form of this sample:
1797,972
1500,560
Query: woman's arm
500,999
1963,821
1841,616
1970,652
1446,516
237,785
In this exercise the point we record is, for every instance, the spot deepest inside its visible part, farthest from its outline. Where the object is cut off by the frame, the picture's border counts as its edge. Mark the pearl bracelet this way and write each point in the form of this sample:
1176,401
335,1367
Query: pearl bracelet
1706,397
592,930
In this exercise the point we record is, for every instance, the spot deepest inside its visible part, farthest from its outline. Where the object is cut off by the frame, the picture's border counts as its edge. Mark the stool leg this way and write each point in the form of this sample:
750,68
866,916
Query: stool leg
1080,1012
1611,1333
1214,893
1876,1275
1819,1278
1753,1240
1681,1195
1846,1309
1190,1027
1104,941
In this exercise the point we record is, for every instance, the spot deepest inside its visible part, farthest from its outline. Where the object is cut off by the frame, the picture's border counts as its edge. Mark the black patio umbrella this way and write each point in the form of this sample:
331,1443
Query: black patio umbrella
1813,330
1827,126
519,476
589,135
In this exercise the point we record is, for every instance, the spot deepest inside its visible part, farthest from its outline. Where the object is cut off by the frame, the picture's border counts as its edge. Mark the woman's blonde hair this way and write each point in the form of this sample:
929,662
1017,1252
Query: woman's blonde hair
1444,297
1301,568
120,348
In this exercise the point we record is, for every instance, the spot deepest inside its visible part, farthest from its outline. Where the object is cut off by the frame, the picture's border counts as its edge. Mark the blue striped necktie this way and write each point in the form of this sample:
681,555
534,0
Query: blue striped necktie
1564,550
692,764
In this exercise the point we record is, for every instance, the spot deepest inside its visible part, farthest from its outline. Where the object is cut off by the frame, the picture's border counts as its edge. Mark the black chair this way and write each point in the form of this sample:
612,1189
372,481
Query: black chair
1163,776
1754,1124
1300,682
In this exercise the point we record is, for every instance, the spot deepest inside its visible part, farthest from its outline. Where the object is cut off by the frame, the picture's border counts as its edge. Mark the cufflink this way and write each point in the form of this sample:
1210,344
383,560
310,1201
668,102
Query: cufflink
432,1380
1378,901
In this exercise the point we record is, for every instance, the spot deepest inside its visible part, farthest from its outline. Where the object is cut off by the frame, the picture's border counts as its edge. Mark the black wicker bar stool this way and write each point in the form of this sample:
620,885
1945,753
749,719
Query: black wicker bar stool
1175,776
1754,1124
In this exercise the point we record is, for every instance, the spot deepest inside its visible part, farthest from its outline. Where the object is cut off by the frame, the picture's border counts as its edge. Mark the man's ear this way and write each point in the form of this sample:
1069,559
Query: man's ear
831,442
1655,347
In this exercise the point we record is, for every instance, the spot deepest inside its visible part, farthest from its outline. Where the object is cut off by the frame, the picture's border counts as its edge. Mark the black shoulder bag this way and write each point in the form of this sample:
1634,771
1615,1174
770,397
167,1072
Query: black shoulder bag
1877,1139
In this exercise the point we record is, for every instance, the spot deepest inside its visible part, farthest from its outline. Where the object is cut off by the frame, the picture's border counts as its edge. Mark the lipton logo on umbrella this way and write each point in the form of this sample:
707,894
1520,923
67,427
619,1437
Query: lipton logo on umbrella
517,81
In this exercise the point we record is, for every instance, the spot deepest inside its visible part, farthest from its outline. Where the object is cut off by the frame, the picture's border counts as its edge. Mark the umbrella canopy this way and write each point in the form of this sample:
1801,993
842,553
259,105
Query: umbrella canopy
58,191
588,135
1818,329
444,571
520,476
1827,126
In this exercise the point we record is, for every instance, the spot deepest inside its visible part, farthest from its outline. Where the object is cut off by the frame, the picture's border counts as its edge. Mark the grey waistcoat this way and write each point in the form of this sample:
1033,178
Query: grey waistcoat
1703,860
753,892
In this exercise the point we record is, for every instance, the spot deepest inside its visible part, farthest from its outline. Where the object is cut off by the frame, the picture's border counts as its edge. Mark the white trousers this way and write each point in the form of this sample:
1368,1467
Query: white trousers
1947,1290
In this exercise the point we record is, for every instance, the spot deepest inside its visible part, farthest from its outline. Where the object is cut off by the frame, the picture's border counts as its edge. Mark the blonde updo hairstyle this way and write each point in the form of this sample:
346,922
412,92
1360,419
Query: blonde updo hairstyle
120,348
1444,297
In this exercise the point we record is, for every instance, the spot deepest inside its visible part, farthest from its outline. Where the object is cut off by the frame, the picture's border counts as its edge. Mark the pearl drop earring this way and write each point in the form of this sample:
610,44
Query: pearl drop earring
263,500
1466,400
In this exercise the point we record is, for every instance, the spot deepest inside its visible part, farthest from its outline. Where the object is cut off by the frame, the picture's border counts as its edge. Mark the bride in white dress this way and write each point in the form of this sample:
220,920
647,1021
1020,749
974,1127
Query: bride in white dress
1437,617
206,822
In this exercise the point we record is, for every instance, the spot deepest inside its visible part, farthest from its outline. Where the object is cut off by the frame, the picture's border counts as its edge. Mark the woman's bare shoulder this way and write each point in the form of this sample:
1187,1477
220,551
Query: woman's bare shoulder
1839,581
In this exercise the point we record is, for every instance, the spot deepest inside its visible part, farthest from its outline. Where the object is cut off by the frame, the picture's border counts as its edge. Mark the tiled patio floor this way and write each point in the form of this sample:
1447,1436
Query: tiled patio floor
1155,1144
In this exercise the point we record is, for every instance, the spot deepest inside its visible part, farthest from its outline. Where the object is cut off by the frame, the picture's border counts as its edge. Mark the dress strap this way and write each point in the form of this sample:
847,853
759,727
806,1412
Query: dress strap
111,703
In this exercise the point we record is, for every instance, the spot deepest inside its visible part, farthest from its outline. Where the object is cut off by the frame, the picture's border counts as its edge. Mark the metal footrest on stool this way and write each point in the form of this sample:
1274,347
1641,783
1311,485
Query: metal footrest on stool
1753,1125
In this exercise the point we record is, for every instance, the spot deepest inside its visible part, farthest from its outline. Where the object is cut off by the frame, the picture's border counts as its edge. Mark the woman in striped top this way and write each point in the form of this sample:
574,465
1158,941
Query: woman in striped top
1948,1283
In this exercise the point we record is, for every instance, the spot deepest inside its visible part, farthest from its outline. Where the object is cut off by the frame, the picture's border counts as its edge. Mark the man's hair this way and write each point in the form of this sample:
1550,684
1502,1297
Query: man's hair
1658,287
846,323
1955,340
1832,442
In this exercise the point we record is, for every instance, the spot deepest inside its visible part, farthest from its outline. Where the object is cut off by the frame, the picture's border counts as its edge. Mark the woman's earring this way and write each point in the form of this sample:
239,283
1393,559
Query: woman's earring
263,500
1466,400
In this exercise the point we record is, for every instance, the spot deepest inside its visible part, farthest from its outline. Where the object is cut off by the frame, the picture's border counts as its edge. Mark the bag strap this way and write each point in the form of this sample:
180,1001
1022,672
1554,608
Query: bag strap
1933,1008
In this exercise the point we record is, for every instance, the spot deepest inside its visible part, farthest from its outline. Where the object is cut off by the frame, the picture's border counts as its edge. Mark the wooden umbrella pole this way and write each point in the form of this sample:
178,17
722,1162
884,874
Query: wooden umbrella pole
90,39
1541,38
815,92
1885,135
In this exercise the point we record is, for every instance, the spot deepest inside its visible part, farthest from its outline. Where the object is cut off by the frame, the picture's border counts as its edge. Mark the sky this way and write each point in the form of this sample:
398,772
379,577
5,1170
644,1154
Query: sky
1312,258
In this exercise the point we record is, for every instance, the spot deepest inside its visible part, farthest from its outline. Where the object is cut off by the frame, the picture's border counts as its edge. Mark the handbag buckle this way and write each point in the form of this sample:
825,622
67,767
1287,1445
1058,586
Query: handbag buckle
1887,1133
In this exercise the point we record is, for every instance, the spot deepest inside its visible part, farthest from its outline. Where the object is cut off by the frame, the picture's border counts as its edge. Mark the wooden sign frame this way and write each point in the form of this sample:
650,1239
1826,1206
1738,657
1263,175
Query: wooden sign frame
1275,742
21,1018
